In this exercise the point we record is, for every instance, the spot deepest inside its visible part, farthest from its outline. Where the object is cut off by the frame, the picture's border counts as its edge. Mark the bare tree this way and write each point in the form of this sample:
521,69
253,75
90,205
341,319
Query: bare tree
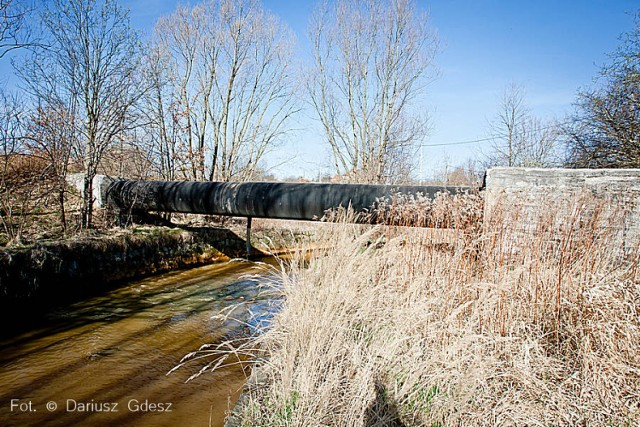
371,62
520,138
605,128
23,176
179,98
541,143
13,31
88,68
10,144
51,135
468,173
507,126
161,129
223,93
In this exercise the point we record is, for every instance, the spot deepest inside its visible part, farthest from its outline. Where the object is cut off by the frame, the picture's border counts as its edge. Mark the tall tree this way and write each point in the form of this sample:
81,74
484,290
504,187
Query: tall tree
372,60
86,67
13,31
519,137
605,128
223,92
161,130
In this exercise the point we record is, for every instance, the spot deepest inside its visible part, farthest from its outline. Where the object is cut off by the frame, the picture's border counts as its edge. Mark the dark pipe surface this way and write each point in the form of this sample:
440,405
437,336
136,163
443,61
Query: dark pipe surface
277,200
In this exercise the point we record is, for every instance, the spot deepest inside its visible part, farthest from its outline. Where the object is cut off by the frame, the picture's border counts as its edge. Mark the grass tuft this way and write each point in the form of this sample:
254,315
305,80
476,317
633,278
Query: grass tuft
513,322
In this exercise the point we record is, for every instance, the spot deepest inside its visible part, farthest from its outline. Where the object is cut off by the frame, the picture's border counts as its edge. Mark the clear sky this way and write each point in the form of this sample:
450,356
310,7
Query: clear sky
551,47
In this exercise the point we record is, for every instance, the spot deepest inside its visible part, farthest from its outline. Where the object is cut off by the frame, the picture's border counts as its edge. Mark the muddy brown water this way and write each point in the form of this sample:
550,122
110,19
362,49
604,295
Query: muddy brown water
104,361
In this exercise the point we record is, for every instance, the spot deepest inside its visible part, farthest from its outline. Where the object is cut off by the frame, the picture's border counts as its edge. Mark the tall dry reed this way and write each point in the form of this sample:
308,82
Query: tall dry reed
515,323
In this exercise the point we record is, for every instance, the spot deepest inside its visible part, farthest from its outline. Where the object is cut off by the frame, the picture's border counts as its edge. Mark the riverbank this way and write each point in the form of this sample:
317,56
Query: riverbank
64,270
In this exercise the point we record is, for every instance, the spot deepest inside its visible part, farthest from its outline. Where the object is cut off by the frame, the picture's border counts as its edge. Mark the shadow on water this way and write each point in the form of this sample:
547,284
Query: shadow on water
63,275
120,346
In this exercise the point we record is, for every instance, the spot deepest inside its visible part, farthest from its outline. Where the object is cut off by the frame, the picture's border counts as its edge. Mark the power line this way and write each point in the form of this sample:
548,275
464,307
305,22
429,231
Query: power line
443,144
473,141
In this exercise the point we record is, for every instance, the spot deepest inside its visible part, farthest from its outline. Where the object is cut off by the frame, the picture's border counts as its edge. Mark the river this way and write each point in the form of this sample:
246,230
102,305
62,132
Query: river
104,360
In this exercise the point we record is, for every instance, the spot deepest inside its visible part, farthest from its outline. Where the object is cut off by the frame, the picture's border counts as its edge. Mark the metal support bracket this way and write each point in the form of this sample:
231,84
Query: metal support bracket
248,237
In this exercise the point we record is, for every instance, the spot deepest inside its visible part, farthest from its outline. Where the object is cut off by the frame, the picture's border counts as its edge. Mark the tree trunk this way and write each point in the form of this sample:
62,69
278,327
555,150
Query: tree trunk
87,201
63,217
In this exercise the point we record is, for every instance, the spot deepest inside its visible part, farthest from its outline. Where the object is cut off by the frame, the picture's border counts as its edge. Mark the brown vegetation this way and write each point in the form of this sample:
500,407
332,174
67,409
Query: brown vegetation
504,325
25,187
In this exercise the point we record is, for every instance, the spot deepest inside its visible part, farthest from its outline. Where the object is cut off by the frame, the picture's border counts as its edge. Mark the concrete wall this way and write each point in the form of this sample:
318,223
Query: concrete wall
535,192
100,185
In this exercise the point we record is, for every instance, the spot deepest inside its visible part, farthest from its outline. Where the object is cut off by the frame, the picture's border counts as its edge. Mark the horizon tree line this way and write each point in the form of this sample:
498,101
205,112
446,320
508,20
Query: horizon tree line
217,86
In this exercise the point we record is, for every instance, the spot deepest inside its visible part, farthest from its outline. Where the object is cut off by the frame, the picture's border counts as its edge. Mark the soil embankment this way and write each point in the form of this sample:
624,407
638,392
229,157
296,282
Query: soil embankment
60,271
57,269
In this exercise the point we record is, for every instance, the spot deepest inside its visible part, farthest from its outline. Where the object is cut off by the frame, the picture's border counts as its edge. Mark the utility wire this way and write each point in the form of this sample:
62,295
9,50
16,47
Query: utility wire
444,144
473,141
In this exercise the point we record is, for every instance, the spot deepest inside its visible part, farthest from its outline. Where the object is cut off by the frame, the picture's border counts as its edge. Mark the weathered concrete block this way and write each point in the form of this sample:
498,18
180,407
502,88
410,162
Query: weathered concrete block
564,197
100,185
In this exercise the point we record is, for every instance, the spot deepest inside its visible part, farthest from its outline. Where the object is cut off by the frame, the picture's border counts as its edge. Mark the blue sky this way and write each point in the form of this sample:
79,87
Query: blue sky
552,48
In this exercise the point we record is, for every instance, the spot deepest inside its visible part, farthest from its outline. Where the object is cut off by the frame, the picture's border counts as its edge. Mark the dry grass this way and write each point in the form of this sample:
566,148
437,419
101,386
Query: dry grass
504,325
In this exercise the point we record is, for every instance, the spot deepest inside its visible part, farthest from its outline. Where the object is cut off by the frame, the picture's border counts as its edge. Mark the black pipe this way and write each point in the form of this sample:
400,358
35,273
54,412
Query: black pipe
277,200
